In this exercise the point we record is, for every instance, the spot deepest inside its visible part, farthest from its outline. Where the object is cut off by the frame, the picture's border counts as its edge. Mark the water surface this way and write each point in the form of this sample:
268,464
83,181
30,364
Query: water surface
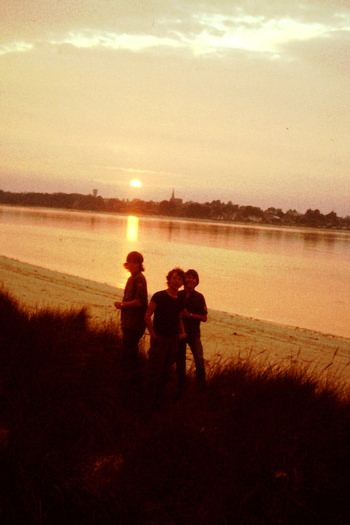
293,276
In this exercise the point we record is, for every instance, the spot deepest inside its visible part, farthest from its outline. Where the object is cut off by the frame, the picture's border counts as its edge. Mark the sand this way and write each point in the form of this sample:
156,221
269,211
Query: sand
224,336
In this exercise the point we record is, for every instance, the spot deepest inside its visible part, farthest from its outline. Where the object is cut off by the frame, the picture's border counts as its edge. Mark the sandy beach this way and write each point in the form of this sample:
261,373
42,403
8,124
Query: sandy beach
224,336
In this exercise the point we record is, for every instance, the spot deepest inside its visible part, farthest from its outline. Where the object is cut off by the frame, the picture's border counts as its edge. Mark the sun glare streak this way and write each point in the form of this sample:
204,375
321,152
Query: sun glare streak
132,228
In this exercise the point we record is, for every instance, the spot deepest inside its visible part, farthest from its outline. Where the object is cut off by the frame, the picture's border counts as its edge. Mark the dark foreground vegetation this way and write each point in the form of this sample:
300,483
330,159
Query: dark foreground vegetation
260,446
214,210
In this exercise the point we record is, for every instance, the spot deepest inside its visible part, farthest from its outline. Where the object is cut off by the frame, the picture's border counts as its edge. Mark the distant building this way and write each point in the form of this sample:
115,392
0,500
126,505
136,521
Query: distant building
173,199
94,193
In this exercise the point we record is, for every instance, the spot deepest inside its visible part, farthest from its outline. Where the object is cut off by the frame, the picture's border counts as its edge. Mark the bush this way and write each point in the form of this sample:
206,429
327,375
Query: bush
259,446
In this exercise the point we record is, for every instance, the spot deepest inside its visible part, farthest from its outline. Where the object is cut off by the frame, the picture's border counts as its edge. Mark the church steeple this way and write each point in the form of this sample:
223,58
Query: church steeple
175,200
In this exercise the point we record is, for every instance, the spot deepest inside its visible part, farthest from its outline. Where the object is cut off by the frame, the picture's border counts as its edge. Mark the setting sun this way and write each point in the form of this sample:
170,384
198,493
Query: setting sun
135,183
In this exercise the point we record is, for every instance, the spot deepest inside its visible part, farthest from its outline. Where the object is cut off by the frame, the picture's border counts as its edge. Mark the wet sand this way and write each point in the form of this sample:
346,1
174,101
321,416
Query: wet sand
224,336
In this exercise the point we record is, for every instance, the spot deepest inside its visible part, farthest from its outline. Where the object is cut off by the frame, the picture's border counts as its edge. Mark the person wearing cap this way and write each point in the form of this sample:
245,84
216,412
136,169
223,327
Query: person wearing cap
194,312
163,319
133,308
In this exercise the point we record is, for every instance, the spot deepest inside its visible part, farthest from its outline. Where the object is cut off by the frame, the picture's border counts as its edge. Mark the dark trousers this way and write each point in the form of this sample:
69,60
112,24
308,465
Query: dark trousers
130,347
162,355
130,360
195,344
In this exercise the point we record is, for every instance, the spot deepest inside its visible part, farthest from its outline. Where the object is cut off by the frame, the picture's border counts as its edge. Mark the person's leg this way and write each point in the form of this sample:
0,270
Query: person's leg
130,347
196,347
132,378
157,368
181,366
171,350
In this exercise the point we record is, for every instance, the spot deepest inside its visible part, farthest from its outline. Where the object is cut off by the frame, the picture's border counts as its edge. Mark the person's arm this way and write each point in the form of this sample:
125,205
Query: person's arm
134,303
148,318
139,300
190,315
202,310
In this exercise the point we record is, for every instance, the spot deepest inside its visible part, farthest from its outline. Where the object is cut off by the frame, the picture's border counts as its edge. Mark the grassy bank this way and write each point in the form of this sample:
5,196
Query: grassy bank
260,446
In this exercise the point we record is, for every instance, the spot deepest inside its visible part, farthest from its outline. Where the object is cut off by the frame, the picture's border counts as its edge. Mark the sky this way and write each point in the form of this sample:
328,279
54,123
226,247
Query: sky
247,101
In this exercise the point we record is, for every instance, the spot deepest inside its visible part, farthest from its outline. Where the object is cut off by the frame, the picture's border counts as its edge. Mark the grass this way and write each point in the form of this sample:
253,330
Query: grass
261,446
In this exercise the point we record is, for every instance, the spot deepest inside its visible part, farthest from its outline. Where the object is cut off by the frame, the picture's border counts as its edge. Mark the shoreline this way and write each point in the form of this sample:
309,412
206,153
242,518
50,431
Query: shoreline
224,336
223,222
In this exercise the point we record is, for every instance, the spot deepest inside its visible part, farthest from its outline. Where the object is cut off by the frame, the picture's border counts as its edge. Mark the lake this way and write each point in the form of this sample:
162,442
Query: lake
299,277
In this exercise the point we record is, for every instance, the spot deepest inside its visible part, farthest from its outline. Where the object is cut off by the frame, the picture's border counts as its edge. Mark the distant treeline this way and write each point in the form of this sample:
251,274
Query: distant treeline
214,210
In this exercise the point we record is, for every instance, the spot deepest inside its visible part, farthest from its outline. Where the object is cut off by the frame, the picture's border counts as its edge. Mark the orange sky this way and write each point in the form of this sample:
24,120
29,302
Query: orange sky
218,100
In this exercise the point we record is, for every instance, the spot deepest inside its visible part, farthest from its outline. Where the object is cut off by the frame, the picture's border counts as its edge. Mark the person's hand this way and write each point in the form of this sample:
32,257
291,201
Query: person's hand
182,335
118,305
186,313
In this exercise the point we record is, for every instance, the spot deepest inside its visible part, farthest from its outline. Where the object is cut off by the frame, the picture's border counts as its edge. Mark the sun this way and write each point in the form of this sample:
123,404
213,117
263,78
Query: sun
135,183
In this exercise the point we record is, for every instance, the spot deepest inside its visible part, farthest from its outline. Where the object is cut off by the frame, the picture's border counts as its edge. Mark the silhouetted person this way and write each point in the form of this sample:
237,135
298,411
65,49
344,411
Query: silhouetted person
163,319
195,311
133,308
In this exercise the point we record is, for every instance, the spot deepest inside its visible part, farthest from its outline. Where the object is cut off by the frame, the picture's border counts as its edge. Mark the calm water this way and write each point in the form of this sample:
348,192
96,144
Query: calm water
293,276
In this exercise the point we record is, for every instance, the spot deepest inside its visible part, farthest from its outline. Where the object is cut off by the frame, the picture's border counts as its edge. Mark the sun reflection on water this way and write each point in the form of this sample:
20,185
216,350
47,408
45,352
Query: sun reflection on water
132,228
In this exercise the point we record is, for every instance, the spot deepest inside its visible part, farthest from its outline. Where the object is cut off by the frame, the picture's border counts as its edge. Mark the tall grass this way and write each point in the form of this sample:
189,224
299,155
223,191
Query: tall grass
260,446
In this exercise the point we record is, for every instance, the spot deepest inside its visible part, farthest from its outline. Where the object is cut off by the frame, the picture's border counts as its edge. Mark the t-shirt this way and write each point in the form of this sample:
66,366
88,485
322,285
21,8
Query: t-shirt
194,303
166,314
135,288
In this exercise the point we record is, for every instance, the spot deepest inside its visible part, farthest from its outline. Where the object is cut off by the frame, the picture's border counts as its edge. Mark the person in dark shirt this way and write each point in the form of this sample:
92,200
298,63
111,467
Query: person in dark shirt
164,322
133,308
194,312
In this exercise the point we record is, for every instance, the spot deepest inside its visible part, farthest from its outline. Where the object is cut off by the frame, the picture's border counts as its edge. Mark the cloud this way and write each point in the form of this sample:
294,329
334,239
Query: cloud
36,19
193,26
253,33
15,47
216,33
115,41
